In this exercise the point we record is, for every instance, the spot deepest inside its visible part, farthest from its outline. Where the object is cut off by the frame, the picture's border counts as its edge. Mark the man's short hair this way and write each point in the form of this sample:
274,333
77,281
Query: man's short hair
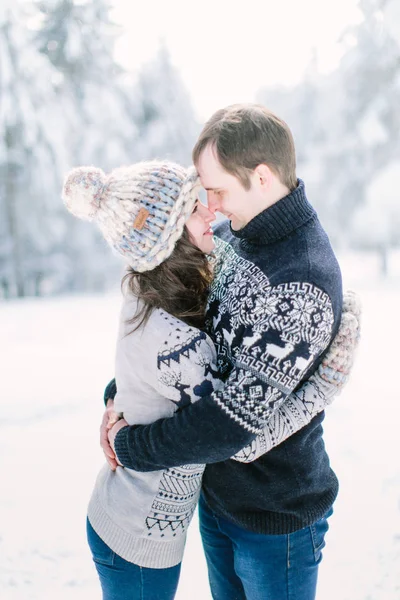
247,135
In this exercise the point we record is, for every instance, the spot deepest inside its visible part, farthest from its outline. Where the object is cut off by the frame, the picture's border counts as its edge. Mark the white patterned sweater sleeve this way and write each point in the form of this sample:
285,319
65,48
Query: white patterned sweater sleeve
270,335
297,411
187,371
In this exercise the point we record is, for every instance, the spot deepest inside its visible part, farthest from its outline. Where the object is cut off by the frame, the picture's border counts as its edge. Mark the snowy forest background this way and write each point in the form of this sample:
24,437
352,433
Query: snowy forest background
64,101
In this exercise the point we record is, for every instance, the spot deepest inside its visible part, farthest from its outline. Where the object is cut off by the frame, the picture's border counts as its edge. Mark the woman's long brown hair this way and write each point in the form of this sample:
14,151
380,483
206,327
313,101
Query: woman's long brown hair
179,285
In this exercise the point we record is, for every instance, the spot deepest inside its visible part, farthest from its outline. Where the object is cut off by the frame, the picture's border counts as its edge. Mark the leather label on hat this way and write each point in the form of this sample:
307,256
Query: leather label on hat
141,218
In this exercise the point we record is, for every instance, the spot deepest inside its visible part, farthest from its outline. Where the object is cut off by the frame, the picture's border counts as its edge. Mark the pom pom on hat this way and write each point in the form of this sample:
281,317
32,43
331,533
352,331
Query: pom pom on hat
82,191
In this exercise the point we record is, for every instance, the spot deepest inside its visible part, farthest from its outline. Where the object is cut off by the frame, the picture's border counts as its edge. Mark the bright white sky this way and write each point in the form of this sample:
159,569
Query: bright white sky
226,50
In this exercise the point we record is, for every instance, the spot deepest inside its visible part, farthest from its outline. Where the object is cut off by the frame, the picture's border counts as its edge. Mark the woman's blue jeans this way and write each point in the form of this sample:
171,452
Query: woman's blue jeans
122,580
243,565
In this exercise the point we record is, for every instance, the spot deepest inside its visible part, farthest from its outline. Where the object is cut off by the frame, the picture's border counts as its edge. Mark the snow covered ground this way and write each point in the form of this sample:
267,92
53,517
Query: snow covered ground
56,356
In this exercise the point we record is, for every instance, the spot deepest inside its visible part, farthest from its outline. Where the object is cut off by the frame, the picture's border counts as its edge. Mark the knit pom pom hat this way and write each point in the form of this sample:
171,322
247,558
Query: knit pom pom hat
141,209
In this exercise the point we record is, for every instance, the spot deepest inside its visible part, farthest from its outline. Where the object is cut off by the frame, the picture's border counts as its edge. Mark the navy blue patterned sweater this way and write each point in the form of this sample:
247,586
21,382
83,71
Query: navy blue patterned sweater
273,309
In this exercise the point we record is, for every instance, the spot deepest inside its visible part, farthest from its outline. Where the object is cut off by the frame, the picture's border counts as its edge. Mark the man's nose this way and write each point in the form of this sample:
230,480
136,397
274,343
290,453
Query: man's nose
207,215
212,202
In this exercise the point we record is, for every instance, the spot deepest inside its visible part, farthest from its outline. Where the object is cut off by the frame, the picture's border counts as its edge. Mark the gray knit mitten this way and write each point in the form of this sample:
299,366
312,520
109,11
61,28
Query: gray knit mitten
338,361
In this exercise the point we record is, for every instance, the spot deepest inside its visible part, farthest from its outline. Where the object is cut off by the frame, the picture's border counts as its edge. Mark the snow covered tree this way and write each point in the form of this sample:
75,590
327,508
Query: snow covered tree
27,153
166,124
376,225
65,102
78,40
346,123
362,139
371,77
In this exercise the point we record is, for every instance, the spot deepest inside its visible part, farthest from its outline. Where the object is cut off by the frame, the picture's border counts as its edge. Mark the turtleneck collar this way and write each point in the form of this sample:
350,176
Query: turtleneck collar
279,220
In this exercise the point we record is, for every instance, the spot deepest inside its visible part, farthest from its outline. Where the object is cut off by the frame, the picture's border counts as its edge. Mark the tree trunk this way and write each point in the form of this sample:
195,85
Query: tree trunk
384,256
11,210
6,289
38,284
13,168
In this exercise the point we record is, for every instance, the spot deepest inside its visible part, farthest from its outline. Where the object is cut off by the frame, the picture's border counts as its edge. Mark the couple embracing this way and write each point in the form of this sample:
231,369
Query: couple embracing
231,344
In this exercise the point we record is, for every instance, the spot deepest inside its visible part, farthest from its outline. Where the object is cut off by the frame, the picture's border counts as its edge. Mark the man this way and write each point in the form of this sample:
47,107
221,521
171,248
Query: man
274,307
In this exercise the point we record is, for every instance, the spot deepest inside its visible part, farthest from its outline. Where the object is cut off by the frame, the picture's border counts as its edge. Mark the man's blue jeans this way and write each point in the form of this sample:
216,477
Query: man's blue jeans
122,580
243,565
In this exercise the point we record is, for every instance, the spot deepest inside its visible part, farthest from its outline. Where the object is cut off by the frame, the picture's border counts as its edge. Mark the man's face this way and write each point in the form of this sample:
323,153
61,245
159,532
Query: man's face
225,193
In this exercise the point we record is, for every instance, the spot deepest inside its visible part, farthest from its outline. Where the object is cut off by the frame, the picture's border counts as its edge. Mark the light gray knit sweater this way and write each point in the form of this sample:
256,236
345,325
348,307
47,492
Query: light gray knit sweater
144,517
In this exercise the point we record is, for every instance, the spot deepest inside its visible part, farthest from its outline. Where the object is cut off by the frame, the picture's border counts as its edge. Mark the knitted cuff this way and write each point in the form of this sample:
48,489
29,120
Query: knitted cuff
121,447
110,391
333,376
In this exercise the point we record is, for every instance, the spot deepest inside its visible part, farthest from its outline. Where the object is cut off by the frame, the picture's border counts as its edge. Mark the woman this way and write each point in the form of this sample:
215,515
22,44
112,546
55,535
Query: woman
150,214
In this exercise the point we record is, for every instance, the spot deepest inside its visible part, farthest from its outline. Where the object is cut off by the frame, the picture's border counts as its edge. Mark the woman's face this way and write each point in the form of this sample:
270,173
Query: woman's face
199,228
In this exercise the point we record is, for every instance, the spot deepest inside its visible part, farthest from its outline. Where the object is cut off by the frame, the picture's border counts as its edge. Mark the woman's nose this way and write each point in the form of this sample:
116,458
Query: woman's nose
207,214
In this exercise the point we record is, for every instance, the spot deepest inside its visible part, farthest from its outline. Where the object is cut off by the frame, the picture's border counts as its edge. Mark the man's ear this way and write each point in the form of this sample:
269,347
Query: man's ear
264,175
